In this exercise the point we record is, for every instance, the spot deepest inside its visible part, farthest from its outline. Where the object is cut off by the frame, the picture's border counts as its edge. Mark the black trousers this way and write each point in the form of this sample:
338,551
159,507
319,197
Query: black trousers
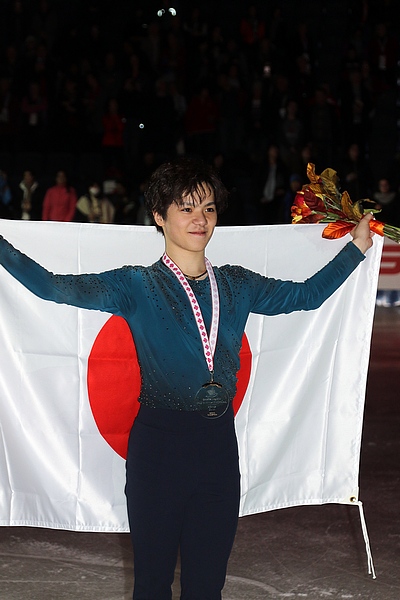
183,490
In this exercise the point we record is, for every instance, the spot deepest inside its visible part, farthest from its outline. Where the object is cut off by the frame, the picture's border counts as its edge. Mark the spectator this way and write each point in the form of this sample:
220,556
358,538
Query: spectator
94,45
355,175
5,197
234,214
201,123
216,44
276,103
302,44
16,17
382,57
110,76
8,115
93,207
28,198
271,184
161,124
252,30
124,204
303,83
151,47
60,200
11,68
92,108
356,108
291,137
180,107
33,119
172,60
307,156
295,185
195,29
256,138
387,200
44,24
68,112
324,128
113,137
44,71
231,100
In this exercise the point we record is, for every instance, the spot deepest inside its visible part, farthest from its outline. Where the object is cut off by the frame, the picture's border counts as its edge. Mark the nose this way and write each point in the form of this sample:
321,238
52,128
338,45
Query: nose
199,217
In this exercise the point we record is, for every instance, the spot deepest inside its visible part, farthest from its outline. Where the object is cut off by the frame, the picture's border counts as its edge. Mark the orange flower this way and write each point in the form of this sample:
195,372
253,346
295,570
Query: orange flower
336,230
321,201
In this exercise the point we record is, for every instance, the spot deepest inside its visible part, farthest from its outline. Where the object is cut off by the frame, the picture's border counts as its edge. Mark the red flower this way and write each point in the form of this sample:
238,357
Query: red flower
305,207
313,200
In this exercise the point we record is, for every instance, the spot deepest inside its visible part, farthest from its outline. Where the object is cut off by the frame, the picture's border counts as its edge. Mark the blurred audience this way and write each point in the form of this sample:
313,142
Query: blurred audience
116,89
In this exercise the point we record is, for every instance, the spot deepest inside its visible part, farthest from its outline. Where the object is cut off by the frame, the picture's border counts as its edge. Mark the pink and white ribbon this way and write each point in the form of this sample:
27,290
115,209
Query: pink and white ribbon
209,342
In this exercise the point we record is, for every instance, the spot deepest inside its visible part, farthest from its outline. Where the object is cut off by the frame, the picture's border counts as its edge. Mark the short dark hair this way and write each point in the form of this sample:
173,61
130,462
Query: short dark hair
175,179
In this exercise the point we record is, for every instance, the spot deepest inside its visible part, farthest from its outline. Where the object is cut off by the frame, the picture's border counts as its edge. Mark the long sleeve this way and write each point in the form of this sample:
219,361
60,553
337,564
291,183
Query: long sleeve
110,291
313,292
269,296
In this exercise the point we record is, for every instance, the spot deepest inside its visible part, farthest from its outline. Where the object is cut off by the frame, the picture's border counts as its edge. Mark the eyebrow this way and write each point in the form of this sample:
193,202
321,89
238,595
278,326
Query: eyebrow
188,203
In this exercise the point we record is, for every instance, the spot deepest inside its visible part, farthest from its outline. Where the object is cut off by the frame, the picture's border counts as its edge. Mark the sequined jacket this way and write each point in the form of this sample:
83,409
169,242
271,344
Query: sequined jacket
160,317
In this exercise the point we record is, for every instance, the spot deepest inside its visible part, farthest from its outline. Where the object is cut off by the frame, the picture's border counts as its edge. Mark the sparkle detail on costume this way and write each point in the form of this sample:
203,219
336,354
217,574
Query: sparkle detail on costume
209,342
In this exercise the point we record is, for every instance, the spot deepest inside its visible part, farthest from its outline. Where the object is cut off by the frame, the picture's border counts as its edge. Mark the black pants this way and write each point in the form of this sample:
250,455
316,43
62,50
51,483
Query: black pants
183,489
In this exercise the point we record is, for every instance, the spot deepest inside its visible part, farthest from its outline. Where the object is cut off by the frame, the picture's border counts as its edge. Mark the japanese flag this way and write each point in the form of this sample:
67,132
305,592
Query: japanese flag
69,378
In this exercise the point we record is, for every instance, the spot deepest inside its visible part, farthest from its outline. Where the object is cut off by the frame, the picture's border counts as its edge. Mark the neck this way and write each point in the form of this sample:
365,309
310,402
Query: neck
201,275
191,264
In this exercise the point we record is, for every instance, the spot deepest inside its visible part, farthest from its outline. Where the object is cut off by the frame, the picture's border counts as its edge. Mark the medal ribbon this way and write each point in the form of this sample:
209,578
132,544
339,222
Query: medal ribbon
209,343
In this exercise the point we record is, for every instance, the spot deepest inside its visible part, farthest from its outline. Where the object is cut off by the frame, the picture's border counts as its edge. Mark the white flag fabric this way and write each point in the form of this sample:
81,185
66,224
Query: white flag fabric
65,406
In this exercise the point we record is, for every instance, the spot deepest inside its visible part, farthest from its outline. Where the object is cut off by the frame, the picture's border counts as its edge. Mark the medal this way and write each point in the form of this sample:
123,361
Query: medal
212,398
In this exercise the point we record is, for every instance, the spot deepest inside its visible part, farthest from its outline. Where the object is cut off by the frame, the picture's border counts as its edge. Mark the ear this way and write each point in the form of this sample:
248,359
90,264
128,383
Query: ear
158,219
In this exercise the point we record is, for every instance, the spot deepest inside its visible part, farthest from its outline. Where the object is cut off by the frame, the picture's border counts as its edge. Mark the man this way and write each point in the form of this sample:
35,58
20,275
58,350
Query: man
187,318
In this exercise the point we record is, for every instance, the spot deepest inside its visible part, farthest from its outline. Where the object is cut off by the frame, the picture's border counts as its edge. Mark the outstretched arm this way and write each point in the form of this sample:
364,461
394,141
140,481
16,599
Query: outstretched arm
108,291
275,296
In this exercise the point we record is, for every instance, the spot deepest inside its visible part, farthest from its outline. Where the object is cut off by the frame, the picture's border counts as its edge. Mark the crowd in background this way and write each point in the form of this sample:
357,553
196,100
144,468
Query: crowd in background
95,95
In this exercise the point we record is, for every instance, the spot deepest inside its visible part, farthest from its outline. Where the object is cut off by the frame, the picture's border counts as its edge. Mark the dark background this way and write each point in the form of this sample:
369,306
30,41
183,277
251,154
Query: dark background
79,55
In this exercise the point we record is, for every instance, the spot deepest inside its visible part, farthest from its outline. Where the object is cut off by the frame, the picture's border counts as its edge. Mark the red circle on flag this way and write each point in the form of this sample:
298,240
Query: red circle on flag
114,382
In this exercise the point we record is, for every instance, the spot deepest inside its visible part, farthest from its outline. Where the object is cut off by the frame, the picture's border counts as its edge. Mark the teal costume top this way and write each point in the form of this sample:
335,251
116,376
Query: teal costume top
159,315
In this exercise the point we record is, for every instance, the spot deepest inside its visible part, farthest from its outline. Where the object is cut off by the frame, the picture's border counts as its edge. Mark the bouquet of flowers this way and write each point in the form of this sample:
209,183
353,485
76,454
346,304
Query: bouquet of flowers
320,201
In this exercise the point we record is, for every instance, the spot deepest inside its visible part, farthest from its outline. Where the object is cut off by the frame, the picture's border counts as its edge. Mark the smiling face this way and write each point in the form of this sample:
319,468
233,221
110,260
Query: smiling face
189,225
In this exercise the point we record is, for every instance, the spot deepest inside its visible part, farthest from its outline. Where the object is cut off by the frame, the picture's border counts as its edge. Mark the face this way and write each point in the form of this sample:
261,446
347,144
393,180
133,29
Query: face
384,185
188,227
28,178
61,178
94,189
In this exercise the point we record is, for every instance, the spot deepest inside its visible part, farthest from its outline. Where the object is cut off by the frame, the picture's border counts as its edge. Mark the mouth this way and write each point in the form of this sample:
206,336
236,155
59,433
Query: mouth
198,233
